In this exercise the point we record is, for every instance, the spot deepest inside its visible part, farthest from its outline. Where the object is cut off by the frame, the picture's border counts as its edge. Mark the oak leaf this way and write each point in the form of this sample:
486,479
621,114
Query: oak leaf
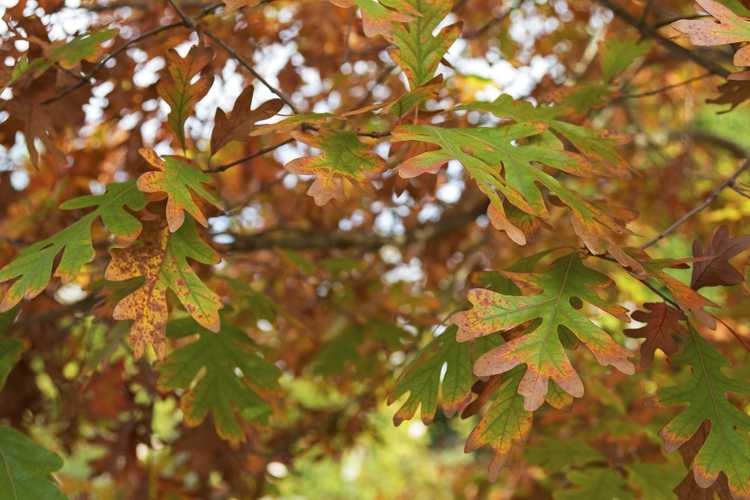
715,269
703,395
178,178
238,124
32,268
180,92
25,468
564,284
663,324
428,389
224,375
344,163
161,259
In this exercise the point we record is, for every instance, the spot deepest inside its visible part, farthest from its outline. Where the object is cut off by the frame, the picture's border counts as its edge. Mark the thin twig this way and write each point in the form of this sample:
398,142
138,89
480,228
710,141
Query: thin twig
705,203
673,47
665,88
87,79
260,152
234,54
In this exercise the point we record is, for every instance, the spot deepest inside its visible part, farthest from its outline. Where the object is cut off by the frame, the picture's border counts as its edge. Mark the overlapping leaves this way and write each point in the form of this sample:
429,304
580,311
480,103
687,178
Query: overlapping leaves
224,375
704,395
423,382
344,163
552,312
161,259
506,166
32,268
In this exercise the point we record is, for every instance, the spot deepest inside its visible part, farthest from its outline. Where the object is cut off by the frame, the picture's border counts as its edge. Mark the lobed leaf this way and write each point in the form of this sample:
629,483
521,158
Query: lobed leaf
223,374
343,163
161,259
422,380
178,178
180,92
552,311
704,395
32,268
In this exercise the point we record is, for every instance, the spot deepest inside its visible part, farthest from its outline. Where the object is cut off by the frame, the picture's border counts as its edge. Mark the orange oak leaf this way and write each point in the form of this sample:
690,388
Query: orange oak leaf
662,325
178,178
726,27
160,258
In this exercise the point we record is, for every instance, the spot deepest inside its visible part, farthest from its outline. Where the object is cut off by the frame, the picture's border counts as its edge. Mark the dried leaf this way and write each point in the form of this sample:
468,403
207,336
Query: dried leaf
241,120
716,269
663,325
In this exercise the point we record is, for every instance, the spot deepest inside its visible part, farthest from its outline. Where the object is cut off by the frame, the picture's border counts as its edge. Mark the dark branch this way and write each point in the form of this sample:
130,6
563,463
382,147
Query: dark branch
673,47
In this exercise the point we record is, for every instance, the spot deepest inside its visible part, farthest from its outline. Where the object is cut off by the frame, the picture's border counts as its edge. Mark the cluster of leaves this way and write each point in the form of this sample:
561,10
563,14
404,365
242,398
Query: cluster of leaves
225,291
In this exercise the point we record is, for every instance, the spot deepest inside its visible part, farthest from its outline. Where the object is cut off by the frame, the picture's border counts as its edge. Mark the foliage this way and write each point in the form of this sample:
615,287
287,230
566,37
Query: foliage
282,227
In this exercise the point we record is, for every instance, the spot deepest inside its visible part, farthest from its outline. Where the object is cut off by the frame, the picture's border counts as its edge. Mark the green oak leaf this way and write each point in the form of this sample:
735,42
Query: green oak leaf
79,48
32,268
26,468
417,50
224,375
422,380
179,179
552,312
344,162
557,455
726,449
596,483
505,423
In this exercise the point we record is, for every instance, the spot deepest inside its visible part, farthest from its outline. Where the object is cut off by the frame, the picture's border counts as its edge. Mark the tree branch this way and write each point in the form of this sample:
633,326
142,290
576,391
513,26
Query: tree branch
673,47
87,79
234,54
730,182
260,152
298,239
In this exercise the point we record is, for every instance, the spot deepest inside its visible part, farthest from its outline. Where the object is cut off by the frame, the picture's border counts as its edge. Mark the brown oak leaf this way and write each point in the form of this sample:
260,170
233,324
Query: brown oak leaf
715,269
662,324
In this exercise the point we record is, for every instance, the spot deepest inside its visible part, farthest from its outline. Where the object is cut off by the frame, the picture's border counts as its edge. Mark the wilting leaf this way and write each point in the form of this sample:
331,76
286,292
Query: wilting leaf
422,380
179,91
726,27
596,483
238,124
32,268
178,178
26,468
565,283
704,395
225,376
83,47
663,325
161,259
344,162
715,269
505,425
418,51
